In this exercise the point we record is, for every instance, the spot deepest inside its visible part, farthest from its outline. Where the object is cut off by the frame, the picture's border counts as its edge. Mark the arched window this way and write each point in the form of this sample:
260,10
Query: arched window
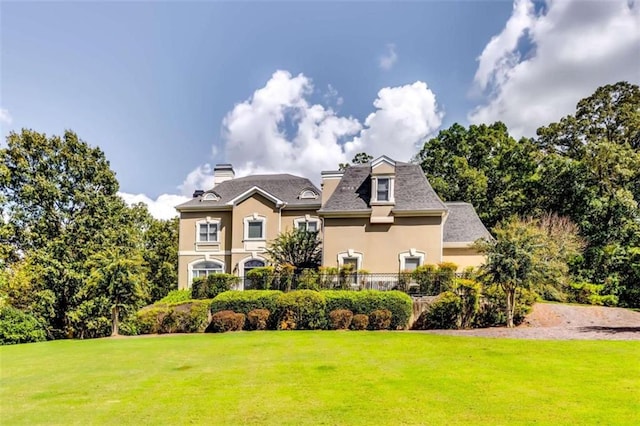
205,268
308,194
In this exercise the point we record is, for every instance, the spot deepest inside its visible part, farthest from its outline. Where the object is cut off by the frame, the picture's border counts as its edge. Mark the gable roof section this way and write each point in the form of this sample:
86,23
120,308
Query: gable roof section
280,188
412,191
463,224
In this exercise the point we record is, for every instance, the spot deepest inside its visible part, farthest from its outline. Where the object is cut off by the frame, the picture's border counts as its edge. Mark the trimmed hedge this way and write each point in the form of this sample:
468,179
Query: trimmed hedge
367,301
224,321
340,319
180,317
176,296
309,309
380,319
212,285
360,322
304,309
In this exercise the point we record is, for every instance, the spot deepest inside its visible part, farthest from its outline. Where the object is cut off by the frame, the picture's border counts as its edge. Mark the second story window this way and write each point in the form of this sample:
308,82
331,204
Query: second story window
255,229
208,232
383,189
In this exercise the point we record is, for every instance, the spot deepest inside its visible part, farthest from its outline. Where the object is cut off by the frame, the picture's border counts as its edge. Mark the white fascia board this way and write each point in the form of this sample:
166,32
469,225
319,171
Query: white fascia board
249,192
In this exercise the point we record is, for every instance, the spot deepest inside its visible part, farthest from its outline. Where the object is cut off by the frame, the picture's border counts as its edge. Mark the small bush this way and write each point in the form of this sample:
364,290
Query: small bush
288,320
425,276
262,278
493,305
360,322
19,327
248,300
151,318
443,313
446,274
591,294
304,307
308,279
380,319
212,285
469,292
224,321
340,319
258,319
176,296
328,277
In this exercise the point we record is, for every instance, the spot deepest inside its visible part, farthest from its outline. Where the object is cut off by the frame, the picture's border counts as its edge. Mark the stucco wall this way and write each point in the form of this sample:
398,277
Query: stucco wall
463,257
381,244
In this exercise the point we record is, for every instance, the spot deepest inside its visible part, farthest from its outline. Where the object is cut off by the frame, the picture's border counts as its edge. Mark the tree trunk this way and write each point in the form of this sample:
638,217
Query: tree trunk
114,321
510,306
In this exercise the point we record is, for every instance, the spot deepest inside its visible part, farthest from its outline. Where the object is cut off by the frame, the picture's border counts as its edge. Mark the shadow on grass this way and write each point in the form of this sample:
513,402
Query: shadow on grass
610,330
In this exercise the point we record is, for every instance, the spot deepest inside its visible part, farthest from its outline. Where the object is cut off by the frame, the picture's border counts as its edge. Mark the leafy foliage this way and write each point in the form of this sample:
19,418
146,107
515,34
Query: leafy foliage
340,319
212,285
224,321
19,327
297,247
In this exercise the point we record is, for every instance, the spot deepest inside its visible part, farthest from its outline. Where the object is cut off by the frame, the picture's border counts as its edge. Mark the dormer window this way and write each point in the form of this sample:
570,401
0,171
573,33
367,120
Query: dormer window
308,194
382,189
210,196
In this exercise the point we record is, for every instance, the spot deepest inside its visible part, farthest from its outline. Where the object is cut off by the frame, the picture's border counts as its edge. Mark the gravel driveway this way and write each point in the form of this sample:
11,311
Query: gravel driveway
565,322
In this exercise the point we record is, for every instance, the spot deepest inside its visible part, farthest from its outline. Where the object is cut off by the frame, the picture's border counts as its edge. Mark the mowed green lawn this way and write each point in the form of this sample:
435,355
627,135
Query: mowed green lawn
320,377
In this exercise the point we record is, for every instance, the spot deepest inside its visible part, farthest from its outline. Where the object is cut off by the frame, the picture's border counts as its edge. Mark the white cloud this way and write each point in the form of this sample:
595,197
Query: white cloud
199,178
278,130
161,208
5,116
405,116
387,60
578,46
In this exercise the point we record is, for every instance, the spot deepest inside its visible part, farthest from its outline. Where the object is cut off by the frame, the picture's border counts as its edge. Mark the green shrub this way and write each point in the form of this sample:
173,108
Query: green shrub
151,318
246,301
380,319
212,285
425,276
340,319
258,319
446,274
176,296
367,301
328,277
19,327
591,294
262,278
443,313
493,306
469,292
184,317
360,322
304,307
308,279
224,321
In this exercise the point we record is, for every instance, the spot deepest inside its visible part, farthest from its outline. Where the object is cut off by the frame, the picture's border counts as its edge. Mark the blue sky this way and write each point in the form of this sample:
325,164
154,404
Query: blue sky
167,89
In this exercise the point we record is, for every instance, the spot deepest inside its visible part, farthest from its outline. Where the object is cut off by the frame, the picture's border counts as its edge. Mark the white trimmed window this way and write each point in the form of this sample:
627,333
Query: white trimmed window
208,231
350,257
382,189
205,268
255,227
411,259
307,223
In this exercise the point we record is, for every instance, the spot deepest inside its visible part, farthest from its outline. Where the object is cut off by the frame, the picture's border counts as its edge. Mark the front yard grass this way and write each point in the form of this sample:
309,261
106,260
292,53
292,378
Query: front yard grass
320,377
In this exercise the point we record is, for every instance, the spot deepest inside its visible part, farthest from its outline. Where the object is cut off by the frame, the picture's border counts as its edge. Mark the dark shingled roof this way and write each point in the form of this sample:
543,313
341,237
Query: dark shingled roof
285,187
463,224
412,190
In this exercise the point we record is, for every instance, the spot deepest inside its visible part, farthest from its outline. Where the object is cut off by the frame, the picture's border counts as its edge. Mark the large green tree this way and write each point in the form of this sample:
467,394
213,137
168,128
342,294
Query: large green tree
482,165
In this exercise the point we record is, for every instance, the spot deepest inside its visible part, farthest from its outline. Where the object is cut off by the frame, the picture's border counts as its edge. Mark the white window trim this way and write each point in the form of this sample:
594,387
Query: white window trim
208,220
307,219
351,254
255,218
412,253
374,190
204,259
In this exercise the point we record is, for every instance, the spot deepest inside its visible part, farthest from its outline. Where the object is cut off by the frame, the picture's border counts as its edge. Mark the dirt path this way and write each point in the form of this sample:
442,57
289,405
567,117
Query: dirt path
566,322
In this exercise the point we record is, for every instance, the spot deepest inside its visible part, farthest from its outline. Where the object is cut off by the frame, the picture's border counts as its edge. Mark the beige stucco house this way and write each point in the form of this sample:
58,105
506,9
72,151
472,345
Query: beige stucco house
383,217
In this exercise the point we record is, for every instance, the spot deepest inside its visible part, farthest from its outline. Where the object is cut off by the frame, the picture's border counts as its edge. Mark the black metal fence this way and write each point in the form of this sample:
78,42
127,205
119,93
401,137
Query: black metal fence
427,284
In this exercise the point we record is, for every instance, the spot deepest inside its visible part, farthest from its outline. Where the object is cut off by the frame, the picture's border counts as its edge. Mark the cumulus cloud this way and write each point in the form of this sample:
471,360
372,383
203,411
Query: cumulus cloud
162,207
576,46
5,116
278,130
387,60
199,178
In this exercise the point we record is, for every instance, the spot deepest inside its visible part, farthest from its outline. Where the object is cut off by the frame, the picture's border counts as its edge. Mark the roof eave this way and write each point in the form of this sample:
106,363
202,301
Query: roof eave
421,212
345,213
